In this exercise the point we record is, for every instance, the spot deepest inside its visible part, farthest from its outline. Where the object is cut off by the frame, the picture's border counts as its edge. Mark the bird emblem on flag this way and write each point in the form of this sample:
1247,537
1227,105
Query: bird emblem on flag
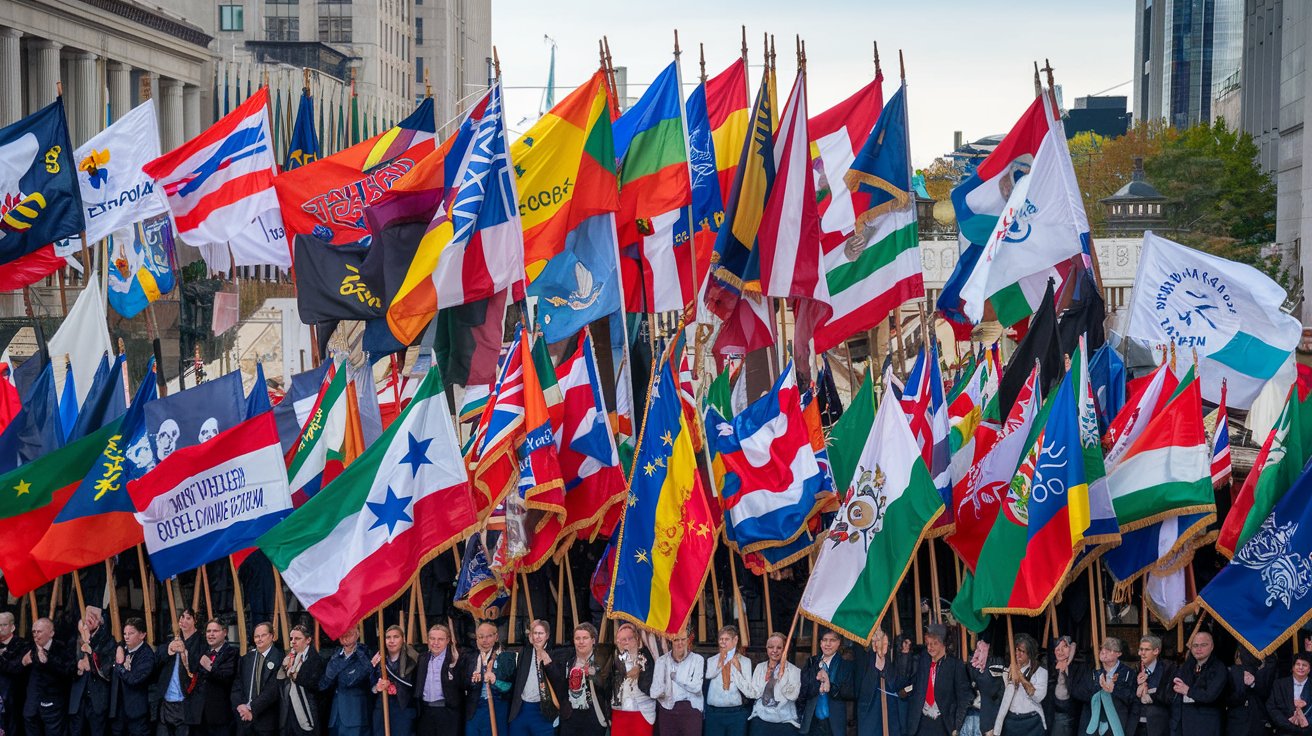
1287,575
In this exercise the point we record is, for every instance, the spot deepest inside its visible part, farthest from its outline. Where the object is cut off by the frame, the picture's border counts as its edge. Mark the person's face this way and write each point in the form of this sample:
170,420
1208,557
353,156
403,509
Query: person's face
679,644
1062,650
727,641
487,638
263,637
187,623
1108,657
583,643
42,631
774,648
1022,657
349,639
438,641
1201,646
215,634
934,646
393,642
132,637
539,636
829,643
1148,653
6,627
1301,669
905,646
624,639
299,641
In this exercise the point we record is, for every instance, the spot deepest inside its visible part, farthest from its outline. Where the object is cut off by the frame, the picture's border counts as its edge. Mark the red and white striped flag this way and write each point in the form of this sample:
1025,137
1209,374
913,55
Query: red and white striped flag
1221,467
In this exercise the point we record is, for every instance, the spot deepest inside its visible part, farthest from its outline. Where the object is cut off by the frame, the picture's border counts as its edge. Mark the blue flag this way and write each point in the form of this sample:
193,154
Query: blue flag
37,429
1107,374
304,146
141,270
189,418
1265,593
102,491
257,401
40,202
478,589
105,401
707,204
68,402
580,284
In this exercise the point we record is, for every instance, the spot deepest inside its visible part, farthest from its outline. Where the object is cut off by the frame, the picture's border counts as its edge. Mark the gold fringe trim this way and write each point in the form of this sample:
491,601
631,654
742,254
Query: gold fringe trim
1207,508
1259,652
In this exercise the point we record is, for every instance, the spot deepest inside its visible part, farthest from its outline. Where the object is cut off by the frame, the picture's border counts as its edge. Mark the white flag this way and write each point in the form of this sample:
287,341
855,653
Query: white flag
84,338
115,191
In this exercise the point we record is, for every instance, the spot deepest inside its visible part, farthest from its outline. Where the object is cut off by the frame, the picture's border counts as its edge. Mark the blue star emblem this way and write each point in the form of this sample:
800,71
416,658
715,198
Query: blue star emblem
391,511
417,455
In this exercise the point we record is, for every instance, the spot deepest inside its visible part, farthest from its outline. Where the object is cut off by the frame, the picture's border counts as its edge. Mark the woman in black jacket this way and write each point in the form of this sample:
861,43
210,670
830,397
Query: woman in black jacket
587,674
398,686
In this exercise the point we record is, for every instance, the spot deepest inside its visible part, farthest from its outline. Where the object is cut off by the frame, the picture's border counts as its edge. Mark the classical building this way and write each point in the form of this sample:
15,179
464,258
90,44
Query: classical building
1135,207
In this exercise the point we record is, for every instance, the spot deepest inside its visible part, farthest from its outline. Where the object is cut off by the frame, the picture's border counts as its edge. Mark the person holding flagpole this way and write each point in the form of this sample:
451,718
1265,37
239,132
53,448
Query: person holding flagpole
398,684
487,674
778,683
535,699
302,669
878,707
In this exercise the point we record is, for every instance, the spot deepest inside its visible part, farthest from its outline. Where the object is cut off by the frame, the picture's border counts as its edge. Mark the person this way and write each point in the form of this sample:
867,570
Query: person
437,685
728,688
255,693
1020,713
1249,687
88,702
1108,690
633,711
129,689
828,684
777,684
487,677
535,696
398,685
1287,705
1062,711
12,649
176,661
587,676
209,707
1151,712
881,680
346,680
676,686
1200,685
301,671
51,666
937,706
986,675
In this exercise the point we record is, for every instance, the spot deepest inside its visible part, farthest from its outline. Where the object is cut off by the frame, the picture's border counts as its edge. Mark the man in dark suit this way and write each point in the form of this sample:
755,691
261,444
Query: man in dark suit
1108,690
12,675
346,681
209,705
300,674
437,685
255,691
1287,706
51,666
832,676
129,691
1200,687
487,675
941,694
1150,714
177,663
88,702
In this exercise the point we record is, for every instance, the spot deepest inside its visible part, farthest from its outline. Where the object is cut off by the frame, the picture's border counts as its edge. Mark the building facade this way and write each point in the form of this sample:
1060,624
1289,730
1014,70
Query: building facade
1184,51
452,54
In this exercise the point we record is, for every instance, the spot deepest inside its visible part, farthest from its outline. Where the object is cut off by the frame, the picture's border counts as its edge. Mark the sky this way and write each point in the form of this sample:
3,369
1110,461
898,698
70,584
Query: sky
969,63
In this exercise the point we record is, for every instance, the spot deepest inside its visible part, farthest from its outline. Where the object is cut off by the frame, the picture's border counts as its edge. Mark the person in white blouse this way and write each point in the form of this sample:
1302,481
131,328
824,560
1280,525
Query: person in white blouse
1021,711
728,688
677,688
776,685
632,709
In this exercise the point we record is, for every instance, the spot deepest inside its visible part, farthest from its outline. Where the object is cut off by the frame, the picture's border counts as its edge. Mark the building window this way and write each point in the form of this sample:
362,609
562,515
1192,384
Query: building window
231,18
282,28
335,29
419,68
419,30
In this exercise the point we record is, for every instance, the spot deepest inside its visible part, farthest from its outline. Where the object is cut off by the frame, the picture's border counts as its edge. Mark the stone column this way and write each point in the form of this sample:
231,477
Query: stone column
190,111
43,60
11,70
120,89
84,88
170,102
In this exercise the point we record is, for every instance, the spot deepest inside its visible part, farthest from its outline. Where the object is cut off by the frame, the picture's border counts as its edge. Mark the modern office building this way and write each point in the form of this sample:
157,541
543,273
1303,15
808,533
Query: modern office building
1184,51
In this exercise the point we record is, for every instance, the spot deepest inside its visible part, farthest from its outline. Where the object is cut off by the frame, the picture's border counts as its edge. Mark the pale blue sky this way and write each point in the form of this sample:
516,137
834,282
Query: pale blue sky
969,62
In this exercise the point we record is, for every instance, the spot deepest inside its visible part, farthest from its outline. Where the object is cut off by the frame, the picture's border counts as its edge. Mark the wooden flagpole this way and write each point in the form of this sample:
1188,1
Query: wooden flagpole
382,676
238,603
146,606
112,589
560,597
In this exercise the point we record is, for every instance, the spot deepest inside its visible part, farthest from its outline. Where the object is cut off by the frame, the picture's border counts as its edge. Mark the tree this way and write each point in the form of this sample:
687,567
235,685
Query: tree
1104,165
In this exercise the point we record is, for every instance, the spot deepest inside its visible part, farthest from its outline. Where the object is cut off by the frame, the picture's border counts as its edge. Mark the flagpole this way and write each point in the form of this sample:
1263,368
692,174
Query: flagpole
112,587
560,596
209,601
687,155
238,602
382,669
145,595
77,590
173,608
510,627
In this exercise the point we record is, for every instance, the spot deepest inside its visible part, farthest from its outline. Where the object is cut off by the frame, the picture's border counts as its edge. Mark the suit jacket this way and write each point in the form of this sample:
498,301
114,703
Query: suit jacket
504,669
264,706
166,664
1246,705
307,681
599,682
13,676
1122,694
346,679
1280,706
92,686
1207,686
1157,711
897,675
647,672
1076,672
49,681
557,684
210,700
990,686
952,693
129,690
842,690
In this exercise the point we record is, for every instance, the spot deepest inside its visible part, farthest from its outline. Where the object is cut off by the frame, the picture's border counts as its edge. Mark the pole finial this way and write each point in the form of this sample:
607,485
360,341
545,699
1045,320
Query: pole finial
744,46
701,60
496,65
879,72
676,43
901,66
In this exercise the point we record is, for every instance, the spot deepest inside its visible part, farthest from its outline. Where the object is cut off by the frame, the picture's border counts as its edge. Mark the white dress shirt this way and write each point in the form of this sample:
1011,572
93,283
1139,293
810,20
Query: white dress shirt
783,705
674,681
740,680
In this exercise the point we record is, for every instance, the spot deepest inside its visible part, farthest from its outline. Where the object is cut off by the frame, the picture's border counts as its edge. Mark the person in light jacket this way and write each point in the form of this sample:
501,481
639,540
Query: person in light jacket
1026,682
776,685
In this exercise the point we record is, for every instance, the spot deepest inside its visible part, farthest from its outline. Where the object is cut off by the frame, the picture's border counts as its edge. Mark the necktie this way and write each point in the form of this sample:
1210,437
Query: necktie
724,672
933,674
256,679
822,705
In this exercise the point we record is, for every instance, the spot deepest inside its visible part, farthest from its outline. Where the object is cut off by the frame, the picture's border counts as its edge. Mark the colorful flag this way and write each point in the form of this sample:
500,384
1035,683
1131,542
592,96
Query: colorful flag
37,429
218,182
1140,409
188,418
837,137
324,434
848,436
205,502
1107,371
67,403
589,460
115,191
1228,313
480,590
141,265
887,509
729,118
1220,443
1092,514
293,411
304,147
84,337
351,549
927,414
665,541
40,201
106,401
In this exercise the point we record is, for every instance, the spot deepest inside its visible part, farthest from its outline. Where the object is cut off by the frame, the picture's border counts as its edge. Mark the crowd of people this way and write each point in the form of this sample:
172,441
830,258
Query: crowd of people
198,684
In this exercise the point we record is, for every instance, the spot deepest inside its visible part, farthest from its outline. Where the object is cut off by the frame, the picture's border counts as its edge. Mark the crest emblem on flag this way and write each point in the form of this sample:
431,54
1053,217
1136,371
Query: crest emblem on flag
1287,575
863,513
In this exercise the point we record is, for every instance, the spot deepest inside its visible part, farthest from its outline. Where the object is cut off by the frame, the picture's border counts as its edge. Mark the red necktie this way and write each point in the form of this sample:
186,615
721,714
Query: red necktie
933,673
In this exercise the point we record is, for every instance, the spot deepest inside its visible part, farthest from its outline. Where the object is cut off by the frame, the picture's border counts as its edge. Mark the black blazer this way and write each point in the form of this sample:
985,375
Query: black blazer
601,681
554,681
647,671
308,678
1280,706
1207,687
210,700
867,691
1122,693
1076,672
165,665
1157,712
264,706
93,685
13,676
842,690
129,691
48,682
952,693
452,692
1246,706
504,669
991,688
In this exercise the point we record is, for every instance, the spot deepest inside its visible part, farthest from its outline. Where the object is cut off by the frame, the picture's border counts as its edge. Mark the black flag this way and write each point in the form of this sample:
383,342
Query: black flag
1040,343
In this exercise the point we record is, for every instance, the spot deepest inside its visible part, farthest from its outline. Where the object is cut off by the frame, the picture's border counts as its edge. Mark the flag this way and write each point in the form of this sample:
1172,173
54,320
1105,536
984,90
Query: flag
966,413
218,182
327,198
1041,227
1220,444
324,434
589,460
115,192
1041,344
98,521
728,117
40,201
31,268
293,411
188,418
355,546
887,509
665,541
473,248
1228,313
707,211
37,429
927,414
848,436
304,147
1167,470
67,403
1145,404
329,286
141,265
877,268
34,494
479,590
84,337
1092,514
837,137
568,194
772,482
1107,372
105,401
1261,596
1162,551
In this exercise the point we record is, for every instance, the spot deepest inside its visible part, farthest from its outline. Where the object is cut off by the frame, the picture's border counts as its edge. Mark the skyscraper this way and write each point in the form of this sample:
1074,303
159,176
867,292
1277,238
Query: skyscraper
1184,51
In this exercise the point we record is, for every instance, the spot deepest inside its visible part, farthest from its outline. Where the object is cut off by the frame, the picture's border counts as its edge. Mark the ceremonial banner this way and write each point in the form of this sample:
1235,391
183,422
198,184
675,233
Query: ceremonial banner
188,418
328,282
115,191
39,196
141,265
